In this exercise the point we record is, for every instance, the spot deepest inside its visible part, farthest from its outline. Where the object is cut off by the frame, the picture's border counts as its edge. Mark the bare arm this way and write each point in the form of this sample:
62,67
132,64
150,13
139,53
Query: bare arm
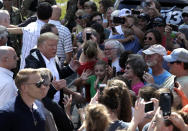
68,57
12,29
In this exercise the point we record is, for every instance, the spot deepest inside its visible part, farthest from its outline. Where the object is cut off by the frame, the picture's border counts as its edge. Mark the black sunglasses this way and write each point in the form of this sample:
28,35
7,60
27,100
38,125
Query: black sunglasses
78,17
40,83
175,62
148,38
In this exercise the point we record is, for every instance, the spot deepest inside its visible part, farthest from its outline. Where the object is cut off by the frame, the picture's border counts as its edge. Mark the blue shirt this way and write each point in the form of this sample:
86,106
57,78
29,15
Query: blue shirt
133,46
160,79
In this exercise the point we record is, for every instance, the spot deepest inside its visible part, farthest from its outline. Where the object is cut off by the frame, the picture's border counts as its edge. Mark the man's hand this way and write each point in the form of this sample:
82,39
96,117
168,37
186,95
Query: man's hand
59,84
148,77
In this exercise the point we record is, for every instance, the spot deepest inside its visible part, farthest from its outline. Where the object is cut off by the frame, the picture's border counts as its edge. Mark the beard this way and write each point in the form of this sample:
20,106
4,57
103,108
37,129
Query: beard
151,63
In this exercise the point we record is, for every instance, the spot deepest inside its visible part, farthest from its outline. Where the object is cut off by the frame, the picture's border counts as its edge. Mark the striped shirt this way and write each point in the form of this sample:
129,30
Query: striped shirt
65,42
30,36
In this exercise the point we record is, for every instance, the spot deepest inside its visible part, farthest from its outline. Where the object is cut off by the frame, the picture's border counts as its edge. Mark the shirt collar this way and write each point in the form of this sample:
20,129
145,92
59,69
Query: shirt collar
40,21
47,61
54,21
10,73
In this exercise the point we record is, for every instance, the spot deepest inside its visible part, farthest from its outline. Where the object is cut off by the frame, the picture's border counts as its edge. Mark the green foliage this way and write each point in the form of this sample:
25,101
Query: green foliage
63,4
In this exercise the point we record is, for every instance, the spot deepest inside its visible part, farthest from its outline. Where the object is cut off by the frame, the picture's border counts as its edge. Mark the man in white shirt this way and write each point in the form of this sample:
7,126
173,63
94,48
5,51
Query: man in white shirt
45,57
8,61
64,46
32,31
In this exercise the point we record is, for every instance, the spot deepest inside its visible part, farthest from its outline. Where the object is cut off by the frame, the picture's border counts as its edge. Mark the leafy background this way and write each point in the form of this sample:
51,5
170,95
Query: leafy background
63,4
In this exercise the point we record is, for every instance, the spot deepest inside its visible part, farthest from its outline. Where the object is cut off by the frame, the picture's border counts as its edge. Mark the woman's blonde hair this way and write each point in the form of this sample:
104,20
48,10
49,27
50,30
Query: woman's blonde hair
97,117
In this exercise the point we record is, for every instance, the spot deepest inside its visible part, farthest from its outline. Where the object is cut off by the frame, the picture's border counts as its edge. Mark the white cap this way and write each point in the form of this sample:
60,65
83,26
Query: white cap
155,49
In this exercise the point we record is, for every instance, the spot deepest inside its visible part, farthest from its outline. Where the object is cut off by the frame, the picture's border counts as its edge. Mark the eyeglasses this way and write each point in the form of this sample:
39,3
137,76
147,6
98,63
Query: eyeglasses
40,83
148,38
127,67
175,62
97,20
184,15
109,48
78,17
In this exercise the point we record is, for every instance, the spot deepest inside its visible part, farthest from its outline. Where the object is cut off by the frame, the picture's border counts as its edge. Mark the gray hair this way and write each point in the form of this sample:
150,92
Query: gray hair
4,14
116,44
46,36
3,32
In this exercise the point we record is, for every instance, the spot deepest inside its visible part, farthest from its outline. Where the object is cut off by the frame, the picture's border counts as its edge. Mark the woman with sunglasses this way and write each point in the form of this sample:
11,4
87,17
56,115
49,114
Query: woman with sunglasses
152,37
134,71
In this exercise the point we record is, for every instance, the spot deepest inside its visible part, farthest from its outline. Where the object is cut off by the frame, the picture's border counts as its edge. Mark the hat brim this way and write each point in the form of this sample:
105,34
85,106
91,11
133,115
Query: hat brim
148,52
169,58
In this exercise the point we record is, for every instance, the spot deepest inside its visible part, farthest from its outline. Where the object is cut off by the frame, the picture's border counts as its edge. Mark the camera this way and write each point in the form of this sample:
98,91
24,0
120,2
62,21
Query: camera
174,27
149,106
1,4
101,88
118,20
88,36
165,104
136,12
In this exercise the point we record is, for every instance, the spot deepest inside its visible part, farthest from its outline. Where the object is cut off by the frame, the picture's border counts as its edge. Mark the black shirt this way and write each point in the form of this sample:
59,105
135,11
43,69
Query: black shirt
17,116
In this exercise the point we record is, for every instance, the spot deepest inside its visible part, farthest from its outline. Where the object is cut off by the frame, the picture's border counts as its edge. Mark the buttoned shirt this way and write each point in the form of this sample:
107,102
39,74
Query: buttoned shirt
30,36
8,88
51,65
65,42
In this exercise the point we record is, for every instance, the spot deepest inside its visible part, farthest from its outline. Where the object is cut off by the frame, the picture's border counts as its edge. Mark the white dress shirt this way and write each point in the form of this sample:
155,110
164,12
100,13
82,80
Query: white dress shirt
30,36
51,65
8,88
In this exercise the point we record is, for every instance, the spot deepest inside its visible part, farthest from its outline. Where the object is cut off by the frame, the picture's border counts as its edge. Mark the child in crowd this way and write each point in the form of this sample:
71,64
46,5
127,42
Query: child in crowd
100,77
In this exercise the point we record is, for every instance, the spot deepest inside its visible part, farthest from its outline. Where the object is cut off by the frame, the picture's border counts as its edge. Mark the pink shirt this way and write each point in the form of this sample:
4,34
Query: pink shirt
137,86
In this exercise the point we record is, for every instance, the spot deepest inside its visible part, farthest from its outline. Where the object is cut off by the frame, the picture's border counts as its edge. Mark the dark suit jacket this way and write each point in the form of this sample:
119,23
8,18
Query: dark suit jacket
35,60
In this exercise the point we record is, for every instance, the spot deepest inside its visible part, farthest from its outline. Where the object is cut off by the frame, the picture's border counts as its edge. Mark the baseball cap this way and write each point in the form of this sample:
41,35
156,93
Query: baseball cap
155,49
185,10
179,54
124,12
115,13
159,21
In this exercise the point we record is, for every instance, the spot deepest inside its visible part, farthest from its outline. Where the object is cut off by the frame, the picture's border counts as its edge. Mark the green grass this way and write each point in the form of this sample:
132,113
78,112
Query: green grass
63,4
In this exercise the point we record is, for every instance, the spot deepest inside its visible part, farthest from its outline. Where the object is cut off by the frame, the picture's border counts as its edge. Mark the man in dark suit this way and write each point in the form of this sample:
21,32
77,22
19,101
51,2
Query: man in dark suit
45,56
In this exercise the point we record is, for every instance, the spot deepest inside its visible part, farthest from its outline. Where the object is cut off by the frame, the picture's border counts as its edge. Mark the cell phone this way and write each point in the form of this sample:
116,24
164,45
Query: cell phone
149,106
165,104
174,27
114,71
118,20
136,12
109,62
88,36
101,88
113,29
175,83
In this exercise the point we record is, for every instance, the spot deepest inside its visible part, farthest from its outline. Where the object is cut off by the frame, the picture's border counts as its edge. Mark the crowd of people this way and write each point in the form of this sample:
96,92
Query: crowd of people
129,67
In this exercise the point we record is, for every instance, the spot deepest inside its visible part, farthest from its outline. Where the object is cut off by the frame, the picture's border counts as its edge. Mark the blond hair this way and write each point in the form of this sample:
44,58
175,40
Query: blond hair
24,75
97,117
